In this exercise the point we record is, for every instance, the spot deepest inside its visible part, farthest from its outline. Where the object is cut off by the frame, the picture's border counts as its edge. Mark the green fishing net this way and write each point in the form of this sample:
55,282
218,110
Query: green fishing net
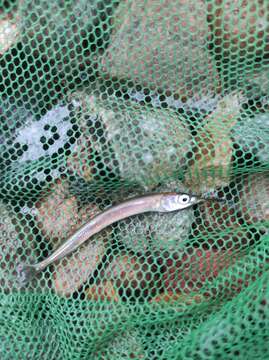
103,100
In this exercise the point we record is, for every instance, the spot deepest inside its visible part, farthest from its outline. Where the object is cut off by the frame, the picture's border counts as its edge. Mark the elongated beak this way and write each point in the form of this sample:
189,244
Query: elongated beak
196,200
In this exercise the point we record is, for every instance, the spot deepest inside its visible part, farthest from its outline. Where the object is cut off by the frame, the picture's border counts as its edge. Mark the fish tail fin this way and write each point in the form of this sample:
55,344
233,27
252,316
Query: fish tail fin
25,273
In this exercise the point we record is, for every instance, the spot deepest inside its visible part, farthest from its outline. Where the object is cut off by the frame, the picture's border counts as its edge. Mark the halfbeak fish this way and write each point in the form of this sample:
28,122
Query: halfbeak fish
161,202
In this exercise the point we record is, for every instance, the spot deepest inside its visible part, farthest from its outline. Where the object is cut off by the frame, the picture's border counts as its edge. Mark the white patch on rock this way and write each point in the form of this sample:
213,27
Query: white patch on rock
34,130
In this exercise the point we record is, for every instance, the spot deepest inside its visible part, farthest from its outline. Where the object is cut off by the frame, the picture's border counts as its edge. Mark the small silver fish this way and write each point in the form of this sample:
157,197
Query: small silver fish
161,202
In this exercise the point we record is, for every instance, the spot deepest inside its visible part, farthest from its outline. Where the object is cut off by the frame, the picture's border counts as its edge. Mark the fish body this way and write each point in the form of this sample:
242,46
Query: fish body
160,202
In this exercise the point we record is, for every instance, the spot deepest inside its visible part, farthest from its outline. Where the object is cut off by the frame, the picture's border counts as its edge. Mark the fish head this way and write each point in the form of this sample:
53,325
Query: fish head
178,201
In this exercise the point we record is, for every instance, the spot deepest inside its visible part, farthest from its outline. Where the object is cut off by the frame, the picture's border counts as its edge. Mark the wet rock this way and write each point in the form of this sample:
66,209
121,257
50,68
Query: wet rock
70,274
252,135
156,231
13,116
257,86
33,149
171,297
254,198
59,215
195,106
17,245
187,272
106,291
46,136
67,37
240,29
212,160
126,277
141,145
162,45
81,161
64,23
9,30
219,216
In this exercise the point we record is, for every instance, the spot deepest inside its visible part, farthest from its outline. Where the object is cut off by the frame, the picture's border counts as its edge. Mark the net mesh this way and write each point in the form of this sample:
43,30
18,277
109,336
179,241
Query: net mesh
105,100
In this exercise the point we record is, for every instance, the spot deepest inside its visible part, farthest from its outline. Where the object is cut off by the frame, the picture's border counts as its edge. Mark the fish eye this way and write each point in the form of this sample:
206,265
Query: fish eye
184,198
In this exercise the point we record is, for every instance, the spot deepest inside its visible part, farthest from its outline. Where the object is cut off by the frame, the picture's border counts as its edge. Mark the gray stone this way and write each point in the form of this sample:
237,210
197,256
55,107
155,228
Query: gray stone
141,145
17,245
70,273
156,231
254,198
162,45
252,135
